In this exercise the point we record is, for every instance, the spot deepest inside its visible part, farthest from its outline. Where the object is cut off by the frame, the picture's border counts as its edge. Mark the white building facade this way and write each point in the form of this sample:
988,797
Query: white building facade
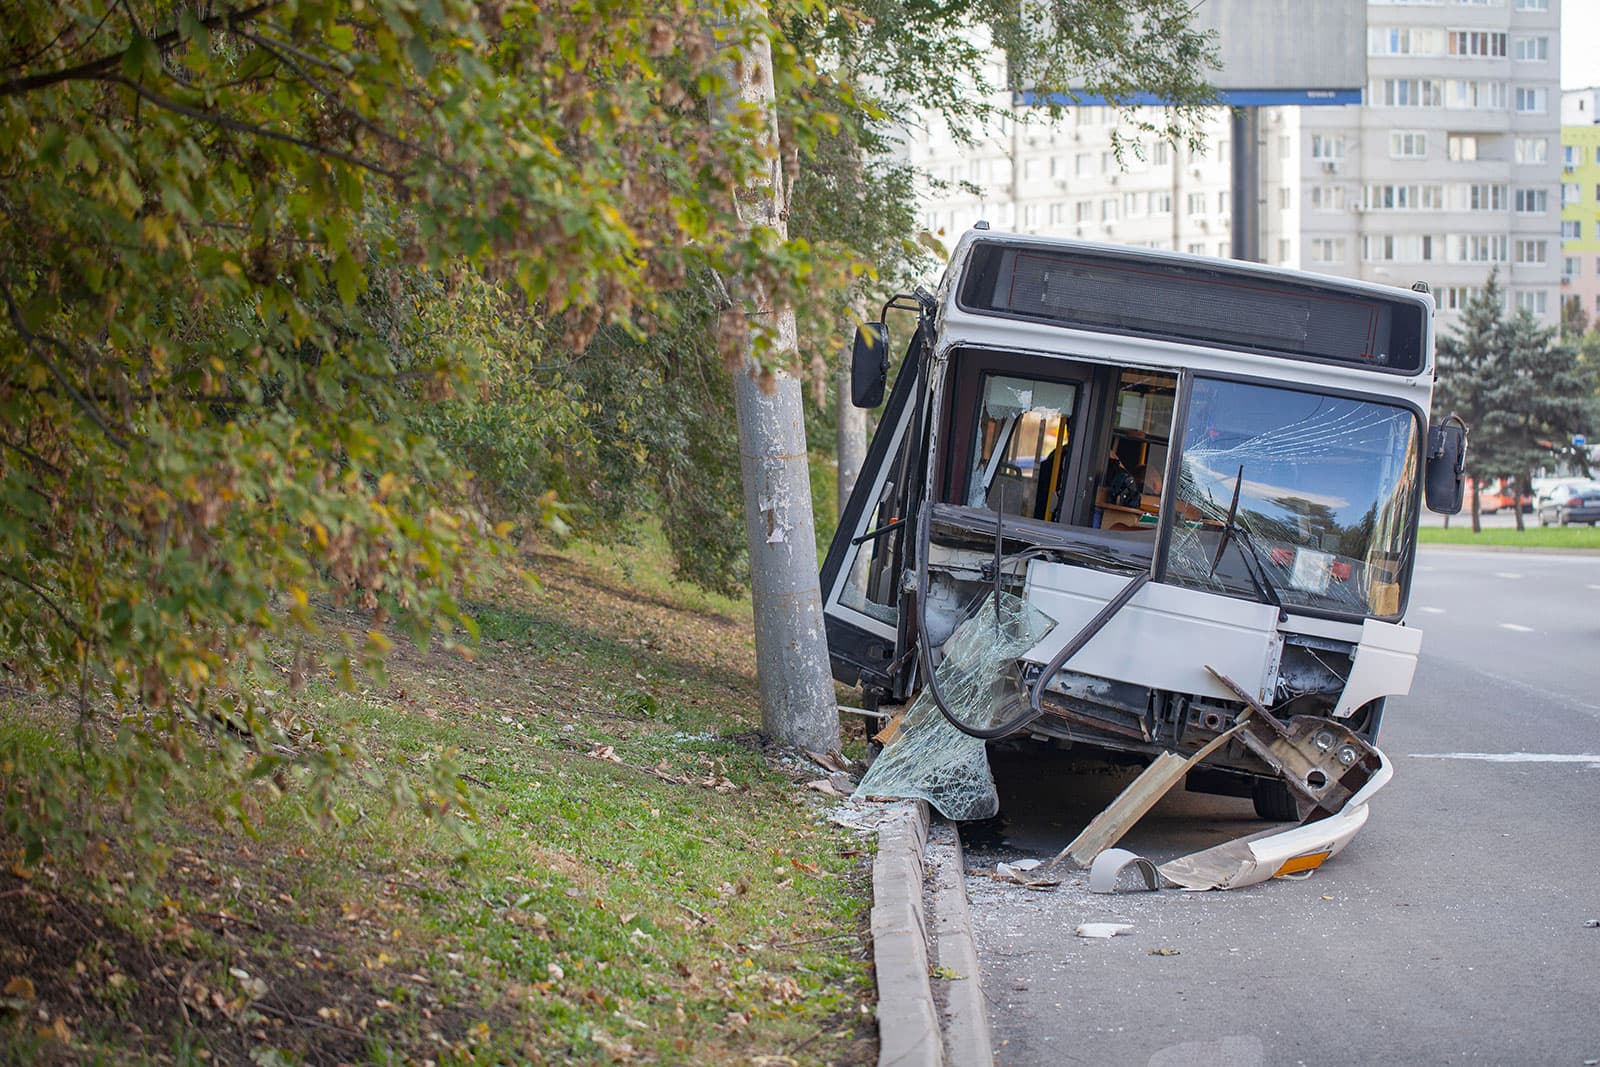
1450,168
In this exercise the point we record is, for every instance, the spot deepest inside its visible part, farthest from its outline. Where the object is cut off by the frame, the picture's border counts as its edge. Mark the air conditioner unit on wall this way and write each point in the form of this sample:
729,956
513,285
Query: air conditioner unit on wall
1330,166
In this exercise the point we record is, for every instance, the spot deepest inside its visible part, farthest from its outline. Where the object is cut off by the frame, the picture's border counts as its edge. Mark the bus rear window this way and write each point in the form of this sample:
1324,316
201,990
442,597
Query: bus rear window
1194,304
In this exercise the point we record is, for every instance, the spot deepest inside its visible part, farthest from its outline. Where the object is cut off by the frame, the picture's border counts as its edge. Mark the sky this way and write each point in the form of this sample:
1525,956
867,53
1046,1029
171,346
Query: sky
1580,43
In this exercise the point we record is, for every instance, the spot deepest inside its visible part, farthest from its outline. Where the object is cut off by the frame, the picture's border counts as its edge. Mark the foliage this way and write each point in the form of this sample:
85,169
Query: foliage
1519,389
880,67
268,271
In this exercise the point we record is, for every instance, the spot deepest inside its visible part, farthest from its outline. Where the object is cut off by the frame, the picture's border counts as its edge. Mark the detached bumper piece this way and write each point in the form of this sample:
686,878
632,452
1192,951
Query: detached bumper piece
1332,771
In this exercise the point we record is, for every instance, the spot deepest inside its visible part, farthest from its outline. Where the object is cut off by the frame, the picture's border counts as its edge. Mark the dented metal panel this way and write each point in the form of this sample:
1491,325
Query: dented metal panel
1238,637
1384,665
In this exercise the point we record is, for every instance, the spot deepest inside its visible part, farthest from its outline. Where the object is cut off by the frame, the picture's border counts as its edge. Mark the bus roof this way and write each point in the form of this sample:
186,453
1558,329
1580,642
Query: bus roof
1192,300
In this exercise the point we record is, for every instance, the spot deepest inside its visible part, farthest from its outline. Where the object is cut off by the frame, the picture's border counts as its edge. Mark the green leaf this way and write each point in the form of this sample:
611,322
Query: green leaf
141,57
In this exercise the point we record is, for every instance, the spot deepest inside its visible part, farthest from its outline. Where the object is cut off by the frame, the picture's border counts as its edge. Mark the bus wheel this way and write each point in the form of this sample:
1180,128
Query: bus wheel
1273,801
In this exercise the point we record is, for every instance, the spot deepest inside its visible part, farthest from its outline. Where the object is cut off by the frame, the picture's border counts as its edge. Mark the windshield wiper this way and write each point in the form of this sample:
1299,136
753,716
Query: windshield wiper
1257,570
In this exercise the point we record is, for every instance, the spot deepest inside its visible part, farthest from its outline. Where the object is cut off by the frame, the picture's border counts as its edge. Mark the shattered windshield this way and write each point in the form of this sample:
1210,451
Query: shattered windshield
1326,490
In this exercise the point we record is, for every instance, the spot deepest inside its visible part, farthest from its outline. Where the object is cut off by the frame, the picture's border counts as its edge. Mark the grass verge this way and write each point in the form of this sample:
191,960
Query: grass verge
644,883
1534,536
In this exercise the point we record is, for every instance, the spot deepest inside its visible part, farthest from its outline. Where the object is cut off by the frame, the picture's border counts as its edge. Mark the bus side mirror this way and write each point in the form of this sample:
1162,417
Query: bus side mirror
1445,481
869,364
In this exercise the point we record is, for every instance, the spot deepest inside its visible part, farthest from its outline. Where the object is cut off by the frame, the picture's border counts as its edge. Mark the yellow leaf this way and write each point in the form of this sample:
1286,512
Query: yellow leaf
20,986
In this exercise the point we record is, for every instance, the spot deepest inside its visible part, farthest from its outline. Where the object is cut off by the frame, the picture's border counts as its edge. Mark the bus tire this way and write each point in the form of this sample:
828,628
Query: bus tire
1273,801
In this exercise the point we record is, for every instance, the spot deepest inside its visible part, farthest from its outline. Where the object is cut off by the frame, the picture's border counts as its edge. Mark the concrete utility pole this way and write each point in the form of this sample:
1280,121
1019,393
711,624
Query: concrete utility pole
797,700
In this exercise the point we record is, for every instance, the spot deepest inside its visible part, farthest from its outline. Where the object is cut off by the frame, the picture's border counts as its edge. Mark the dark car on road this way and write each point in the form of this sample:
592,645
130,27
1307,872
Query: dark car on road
1568,502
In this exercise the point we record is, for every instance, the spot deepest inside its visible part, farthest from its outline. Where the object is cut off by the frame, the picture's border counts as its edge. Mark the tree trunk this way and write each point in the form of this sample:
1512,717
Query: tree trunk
1477,514
1518,485
792,670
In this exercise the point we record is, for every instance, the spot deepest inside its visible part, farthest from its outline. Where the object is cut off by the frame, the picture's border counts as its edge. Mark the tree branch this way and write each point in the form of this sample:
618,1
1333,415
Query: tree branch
49,602
33,341
95,69
228,123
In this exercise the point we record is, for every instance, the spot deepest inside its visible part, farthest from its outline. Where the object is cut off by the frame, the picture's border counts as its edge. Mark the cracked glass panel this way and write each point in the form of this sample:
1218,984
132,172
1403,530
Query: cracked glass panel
930,759
1327,491
1023,431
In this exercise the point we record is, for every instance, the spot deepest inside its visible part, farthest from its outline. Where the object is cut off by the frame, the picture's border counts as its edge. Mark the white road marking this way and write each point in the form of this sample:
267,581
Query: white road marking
1516,757
1516,628
1593,586
1433,611
1506,574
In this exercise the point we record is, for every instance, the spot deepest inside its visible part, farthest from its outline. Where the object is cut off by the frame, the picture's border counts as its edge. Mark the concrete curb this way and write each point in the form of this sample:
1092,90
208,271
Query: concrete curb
908,1026
911,1030
968,1041
1528,549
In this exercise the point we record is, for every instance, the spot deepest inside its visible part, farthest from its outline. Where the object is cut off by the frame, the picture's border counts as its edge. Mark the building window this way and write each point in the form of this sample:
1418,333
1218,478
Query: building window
1326,148
1327,197
1533,101
1283,250
1160,203
1458,297
1195,204
1531,201
1532,150
1404,198
1408,144
1379,248
1222,201
1327,250
1161,154
1196,248
1571,267
1224,249
1486,196
1533,5
1108,209
1058,214
1475,95
1477,43
1407,92
1531,49
1081,164
1285,198
1133,205
1571,193
1084,212
1463,147
1569,157
1403,41
1528,251
1480,248
1533,300
1571,230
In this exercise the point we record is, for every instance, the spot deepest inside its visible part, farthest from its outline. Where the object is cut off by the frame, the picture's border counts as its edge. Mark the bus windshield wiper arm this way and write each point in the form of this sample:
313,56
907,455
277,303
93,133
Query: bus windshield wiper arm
1231,530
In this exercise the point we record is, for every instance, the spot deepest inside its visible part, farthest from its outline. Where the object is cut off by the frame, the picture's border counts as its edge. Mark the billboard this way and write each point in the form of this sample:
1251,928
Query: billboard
1275,53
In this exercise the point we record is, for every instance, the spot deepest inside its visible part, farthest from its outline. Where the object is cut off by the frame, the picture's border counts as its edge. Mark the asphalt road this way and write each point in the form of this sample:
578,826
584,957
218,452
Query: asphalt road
1450,931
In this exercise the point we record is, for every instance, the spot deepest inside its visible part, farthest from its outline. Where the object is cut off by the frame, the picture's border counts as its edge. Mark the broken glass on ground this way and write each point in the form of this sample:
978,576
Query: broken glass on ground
928,758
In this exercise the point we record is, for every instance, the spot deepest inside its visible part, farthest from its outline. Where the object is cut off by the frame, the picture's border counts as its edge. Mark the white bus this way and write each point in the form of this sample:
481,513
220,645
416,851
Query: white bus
1206,474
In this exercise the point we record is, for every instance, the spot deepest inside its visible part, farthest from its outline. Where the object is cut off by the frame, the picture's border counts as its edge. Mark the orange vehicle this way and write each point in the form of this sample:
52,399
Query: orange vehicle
1496,494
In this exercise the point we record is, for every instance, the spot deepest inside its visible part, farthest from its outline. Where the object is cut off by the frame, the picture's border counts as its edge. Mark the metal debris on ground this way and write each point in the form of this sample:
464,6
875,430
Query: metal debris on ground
1020,874
1102,929
1333,771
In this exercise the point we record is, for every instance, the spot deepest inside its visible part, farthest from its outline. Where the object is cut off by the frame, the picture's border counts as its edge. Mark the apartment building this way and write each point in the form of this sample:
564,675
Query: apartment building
1450,168
1580,200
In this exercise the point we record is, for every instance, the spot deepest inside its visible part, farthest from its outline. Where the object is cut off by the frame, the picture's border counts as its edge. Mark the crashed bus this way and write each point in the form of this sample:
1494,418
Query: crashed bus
1199,482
